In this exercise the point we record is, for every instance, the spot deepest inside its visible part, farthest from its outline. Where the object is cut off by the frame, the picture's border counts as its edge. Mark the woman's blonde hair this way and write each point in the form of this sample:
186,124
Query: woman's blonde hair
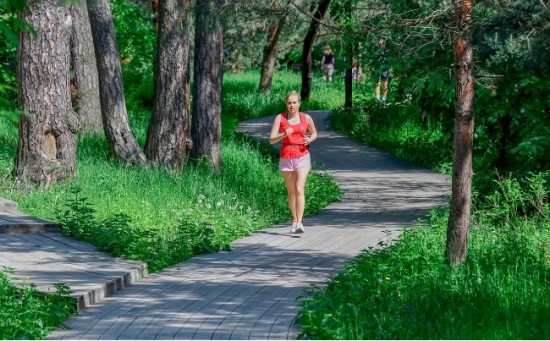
294,93
327,48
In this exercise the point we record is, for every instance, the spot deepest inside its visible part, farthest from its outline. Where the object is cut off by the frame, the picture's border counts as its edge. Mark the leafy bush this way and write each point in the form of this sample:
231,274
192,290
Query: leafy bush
29,314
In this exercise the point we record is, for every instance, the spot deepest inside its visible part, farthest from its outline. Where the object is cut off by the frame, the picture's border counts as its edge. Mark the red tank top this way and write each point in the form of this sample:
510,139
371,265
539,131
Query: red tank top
293,145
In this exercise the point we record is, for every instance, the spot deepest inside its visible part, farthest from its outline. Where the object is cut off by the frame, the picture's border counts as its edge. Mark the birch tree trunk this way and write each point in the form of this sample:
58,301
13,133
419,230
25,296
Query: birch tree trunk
46,151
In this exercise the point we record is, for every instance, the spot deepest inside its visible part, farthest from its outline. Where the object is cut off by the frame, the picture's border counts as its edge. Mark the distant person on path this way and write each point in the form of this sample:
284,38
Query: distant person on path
385,74
327,63
295,161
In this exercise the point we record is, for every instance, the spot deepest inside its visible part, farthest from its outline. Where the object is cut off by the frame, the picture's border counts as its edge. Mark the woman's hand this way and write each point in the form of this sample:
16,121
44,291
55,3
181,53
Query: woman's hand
307,140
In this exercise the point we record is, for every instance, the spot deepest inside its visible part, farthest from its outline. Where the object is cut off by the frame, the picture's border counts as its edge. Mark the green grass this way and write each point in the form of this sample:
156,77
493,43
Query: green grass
405,291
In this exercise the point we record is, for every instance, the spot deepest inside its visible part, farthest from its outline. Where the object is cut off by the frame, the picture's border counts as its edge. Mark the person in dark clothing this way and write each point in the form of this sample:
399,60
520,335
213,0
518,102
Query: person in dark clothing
384,75
327,63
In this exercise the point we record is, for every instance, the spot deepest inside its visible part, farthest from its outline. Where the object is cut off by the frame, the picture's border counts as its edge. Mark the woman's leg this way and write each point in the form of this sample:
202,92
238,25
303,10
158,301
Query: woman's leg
300,185
384,89
290,182
377,90
330,72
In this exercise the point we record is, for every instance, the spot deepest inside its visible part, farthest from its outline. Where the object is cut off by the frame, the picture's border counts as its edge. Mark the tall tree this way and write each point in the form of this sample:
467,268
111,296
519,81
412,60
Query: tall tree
85,83
270,49
307,63
120,137
169,125
459,218
46,152
208,76
348,80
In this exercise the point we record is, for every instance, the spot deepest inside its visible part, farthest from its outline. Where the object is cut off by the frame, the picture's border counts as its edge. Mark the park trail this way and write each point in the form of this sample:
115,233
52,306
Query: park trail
251,292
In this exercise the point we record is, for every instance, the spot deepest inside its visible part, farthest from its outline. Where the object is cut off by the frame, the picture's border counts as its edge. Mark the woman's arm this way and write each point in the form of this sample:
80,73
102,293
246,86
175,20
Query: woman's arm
275,135
311,129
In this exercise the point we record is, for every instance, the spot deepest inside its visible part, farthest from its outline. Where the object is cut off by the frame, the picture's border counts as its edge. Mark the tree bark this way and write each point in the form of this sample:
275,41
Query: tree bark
307,63
348,80
120,137
269,55
208,67
46,152
459,217
85,83
169,125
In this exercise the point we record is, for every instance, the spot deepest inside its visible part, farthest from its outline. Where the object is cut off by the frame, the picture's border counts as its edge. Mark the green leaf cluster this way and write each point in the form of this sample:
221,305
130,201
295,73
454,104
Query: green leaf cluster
27,314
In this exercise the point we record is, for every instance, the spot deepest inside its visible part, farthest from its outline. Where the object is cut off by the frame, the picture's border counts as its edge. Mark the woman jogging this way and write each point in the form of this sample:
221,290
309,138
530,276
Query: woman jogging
295,162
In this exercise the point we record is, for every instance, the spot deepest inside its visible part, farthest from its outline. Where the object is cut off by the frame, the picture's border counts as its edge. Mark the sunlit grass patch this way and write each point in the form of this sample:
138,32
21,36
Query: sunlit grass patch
406,291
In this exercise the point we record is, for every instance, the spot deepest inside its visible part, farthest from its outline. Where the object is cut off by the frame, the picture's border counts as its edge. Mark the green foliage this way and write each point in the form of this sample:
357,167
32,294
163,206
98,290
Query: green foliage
8,144
27,313
405,291
136,41
197,232
10,24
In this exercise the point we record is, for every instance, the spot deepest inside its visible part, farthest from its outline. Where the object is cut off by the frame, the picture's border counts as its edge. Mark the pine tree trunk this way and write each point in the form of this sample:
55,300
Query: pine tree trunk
348,80
269,55
207,102
85,80
307,63
120,137
46,152
169,125
459,218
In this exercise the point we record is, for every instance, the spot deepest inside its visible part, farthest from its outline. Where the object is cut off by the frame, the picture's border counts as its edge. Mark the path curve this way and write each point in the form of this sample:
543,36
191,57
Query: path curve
252,291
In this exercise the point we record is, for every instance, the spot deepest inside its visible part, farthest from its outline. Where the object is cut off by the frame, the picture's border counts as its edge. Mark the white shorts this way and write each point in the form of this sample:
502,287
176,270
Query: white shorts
290,165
